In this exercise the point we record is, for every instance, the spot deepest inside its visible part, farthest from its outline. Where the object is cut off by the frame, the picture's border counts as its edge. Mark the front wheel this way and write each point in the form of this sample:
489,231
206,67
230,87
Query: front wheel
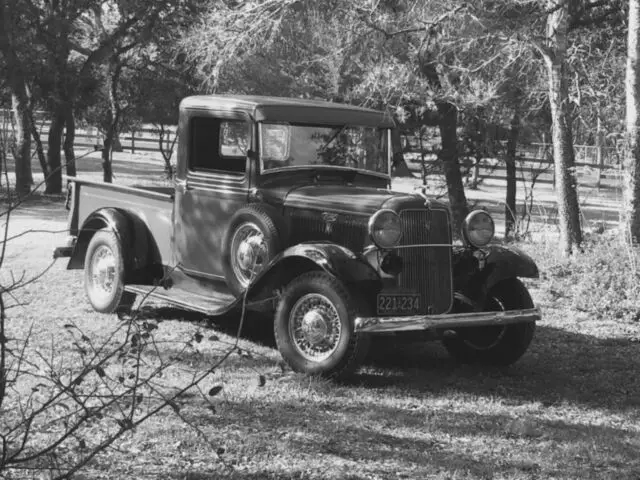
104,273
314,327
496,345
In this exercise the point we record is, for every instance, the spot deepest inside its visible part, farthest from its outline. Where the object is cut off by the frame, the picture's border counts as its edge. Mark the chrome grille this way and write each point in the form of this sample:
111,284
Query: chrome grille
427,269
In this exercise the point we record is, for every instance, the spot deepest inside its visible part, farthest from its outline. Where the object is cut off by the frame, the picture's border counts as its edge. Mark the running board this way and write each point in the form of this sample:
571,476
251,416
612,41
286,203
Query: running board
215,304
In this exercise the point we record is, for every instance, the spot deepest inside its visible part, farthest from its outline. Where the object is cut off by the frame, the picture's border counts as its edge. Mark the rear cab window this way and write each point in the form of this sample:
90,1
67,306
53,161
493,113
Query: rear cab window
219,145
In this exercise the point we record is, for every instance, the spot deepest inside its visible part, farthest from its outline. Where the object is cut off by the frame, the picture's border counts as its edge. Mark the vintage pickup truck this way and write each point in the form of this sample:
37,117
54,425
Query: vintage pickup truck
284,206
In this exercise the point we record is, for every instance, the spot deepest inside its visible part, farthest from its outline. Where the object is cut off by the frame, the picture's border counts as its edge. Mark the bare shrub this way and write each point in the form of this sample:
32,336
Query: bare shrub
62,406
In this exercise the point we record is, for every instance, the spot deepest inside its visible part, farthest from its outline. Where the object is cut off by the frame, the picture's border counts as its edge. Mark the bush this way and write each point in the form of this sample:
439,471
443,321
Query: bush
602,280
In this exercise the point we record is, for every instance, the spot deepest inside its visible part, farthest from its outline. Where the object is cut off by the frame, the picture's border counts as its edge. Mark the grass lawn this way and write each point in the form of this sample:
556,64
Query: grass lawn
570,408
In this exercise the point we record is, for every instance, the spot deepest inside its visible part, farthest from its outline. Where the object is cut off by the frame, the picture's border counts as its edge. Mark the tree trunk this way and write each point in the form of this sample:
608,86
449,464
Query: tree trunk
632,153
599,149
117,144
107,169
510,160
113,118
3,152
35,134
15,75
54,179
166,147
400,167
69,139
562,138
475,173
450,164
22,141
423,158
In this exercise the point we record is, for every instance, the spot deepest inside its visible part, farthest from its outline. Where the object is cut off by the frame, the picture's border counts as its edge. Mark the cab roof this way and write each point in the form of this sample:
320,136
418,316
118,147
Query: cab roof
292,110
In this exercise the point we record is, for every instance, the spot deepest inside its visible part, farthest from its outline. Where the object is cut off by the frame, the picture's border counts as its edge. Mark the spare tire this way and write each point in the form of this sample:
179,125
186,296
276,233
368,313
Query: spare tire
255,235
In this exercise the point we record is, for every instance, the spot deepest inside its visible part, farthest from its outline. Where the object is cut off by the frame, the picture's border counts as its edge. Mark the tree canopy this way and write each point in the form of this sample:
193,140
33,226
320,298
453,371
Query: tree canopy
467,69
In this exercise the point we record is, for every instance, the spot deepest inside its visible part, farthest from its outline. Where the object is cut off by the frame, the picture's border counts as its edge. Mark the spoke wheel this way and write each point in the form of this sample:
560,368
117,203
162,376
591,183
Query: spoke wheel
254,236
486,338
314,327
249,252
496,345
104,273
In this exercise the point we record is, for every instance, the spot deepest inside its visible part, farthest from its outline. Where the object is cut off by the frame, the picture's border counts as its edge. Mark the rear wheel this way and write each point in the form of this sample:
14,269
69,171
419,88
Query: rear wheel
314,327
496,345
104,274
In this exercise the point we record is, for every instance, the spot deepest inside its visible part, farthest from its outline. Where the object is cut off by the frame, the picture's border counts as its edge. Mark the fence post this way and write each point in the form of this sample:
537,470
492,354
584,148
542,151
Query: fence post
133,141
599,156
547,153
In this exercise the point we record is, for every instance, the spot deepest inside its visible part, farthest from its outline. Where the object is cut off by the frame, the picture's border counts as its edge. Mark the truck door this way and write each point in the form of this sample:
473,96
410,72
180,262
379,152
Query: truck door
212,183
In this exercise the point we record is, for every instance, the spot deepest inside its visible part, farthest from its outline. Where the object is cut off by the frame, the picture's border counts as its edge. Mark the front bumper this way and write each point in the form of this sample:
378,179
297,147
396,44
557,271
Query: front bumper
448,321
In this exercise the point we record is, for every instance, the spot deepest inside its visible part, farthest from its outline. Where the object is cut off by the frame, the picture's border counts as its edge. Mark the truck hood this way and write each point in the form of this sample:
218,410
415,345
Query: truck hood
349,199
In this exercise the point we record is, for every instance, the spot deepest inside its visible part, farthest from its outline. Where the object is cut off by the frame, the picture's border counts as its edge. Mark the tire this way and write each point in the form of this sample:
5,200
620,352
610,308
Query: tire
496,345
252,240
328,345
104,274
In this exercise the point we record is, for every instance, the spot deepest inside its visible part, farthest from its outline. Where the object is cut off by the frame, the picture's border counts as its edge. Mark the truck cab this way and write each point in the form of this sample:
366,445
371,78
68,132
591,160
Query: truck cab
285,206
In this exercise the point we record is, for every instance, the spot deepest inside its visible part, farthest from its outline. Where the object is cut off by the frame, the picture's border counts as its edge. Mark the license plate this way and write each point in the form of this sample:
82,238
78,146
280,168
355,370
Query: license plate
398,303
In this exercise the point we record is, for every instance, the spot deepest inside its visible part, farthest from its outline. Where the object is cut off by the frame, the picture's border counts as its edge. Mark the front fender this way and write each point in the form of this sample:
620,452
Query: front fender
339,261
334,259
476,272
508,262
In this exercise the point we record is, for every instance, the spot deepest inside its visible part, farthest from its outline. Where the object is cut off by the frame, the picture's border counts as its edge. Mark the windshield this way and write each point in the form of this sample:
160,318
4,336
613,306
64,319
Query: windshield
360,147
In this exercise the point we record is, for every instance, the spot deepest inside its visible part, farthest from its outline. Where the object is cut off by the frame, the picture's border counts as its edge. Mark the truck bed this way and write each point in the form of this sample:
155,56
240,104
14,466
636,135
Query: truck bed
154,205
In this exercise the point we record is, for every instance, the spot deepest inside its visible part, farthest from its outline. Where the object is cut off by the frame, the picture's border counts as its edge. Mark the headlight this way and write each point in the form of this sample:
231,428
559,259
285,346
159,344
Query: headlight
478,228
385,228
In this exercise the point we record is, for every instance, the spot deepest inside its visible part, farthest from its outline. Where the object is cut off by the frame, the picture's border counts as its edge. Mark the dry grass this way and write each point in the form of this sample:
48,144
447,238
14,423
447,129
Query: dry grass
570,408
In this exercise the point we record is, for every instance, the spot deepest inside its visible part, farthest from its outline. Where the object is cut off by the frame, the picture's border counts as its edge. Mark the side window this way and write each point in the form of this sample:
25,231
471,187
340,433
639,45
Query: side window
219,145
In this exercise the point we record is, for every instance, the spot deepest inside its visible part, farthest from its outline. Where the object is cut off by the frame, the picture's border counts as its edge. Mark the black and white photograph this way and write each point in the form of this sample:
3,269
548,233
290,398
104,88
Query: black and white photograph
320,239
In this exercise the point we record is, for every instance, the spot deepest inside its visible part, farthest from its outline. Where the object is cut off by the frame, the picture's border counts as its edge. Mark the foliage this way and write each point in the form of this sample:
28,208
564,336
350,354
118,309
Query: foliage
603,280
424,61
379,54
70,49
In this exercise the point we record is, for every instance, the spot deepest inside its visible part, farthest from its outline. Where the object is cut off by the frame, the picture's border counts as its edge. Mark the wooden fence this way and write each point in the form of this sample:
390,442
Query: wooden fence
144,139
597,167
600,166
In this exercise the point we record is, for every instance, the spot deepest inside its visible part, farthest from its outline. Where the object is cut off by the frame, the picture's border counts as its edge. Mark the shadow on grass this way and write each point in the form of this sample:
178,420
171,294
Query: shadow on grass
414,411
559,367
415,441
257,328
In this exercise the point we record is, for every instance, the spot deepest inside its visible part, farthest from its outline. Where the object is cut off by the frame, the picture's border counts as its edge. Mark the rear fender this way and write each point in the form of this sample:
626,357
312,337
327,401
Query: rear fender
131,232
334,259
